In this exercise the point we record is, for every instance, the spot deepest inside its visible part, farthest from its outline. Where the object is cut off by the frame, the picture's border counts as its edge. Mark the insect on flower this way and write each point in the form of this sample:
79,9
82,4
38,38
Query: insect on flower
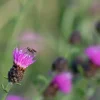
31,50
21,60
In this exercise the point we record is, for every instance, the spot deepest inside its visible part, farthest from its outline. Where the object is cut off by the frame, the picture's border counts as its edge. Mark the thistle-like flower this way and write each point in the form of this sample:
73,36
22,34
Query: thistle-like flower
60,65
64,82
61,82
22,58
93,53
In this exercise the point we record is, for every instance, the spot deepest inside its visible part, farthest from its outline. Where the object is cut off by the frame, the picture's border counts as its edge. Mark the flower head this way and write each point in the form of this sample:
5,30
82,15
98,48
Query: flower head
22,58
63,82
13,97
60,64
93,53
79,61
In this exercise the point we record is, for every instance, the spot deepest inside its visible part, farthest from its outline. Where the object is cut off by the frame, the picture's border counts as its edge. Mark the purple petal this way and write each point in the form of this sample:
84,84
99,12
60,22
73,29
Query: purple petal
22,57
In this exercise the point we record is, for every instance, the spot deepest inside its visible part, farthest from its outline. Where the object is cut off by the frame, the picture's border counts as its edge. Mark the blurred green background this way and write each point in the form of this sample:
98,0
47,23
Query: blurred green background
54,21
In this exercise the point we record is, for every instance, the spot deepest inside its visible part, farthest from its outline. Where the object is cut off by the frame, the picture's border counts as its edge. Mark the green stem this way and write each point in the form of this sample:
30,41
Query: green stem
7,89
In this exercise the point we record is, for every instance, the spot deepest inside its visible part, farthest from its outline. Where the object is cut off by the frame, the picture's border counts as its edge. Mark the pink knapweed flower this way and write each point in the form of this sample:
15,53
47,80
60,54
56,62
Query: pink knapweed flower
63,81
32,39
93,53
22,58
14,97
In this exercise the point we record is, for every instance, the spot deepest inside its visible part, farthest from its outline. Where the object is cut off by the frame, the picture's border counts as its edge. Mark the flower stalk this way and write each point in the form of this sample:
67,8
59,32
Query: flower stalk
6,90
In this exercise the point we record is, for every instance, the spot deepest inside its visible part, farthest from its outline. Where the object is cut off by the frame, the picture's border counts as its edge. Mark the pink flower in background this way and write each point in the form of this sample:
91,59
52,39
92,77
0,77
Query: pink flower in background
63,81
13,97
95,7
93,53
27,36
33,40
22,58
44,44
